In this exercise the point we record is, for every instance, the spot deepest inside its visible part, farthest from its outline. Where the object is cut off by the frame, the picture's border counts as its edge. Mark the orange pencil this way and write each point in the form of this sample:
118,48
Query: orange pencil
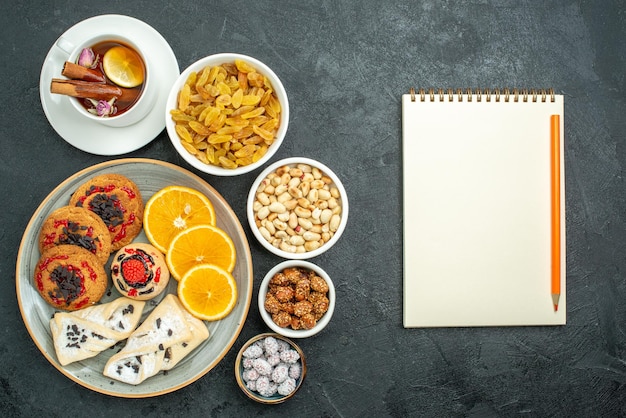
555,166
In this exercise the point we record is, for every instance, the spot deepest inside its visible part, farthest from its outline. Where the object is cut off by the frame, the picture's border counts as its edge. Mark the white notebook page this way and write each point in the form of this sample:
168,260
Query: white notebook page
477,212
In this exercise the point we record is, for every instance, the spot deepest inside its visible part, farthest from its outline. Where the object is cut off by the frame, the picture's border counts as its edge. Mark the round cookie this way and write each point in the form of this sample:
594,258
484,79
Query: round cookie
76,226
139,271
70,277
117,201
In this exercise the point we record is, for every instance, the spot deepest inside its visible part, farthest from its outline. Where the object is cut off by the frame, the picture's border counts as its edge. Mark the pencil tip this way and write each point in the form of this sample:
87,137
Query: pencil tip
555,301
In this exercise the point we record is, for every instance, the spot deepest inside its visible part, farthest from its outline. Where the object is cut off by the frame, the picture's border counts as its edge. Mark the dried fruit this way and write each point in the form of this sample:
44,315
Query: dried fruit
227,115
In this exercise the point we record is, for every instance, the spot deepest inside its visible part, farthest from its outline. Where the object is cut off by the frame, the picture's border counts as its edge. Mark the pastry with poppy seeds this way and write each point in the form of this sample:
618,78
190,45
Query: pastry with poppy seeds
85,333
70,277
117,201
164,338
76,226
139,271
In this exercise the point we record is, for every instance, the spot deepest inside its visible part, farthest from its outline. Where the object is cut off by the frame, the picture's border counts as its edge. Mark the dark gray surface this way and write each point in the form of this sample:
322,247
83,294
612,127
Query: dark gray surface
345,67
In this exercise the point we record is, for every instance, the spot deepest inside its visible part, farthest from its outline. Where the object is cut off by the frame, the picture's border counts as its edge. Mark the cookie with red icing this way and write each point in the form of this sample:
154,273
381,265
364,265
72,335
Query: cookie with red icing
139,271
70,277
76,226
117,201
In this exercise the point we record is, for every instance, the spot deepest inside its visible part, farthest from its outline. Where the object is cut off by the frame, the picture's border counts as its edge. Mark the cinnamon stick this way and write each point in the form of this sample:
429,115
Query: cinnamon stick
89,90
78,72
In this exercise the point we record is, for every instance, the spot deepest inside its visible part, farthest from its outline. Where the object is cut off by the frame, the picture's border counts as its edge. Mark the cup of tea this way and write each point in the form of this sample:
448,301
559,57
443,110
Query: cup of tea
108,78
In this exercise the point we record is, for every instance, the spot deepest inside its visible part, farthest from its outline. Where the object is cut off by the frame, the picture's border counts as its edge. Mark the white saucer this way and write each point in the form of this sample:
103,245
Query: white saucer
91,136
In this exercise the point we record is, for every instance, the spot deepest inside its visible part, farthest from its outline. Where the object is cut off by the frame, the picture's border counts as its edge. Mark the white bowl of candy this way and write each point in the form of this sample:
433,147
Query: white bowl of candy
270,368
296,299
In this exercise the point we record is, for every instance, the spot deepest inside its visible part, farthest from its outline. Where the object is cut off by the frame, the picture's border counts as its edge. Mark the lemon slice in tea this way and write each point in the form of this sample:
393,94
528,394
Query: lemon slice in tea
123,66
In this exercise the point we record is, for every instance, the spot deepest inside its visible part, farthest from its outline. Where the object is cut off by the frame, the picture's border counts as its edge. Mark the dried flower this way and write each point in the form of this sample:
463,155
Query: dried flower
102,108
87,58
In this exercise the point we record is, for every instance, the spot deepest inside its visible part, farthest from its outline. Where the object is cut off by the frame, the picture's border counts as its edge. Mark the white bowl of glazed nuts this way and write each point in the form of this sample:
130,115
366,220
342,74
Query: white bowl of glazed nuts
296,299
297,208
227,114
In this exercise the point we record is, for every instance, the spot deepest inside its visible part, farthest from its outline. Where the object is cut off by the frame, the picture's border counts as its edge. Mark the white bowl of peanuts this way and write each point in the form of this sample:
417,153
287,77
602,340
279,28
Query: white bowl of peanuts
297,208
227,114
296,299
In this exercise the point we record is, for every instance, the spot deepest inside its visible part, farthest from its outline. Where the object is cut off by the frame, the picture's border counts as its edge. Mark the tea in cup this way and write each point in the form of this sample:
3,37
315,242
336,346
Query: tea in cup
108,78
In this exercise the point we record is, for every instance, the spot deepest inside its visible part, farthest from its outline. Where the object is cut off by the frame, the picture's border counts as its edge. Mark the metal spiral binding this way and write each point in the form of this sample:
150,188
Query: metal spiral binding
497,95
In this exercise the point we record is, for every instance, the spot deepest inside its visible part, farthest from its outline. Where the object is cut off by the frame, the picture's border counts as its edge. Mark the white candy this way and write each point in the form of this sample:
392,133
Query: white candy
263,384
271,390
282,345
271,345
289,356
295,370
280,373
254,351
247,363
262,366
250,375
287,387
271,366
273,359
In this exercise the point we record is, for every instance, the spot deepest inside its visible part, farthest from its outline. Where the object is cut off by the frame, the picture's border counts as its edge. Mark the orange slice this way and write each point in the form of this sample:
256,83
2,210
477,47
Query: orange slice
208,292
123,66
174,209
200,244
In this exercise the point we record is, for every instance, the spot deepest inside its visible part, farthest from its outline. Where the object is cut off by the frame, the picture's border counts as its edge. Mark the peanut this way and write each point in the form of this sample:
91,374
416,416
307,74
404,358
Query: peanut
297,209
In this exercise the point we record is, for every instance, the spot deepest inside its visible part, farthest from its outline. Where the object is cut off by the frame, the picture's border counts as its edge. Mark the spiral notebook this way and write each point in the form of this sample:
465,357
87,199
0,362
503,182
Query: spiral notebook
483,208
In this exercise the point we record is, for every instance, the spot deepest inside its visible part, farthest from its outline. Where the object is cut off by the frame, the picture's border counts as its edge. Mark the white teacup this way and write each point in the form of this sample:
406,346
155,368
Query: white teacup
148,95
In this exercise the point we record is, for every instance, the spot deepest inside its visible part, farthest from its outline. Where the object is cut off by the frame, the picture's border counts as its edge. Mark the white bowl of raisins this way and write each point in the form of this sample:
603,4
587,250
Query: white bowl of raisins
296,299
227,114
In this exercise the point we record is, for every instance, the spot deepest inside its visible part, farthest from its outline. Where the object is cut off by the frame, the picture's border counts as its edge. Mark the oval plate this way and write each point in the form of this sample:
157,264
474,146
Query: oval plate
150,176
